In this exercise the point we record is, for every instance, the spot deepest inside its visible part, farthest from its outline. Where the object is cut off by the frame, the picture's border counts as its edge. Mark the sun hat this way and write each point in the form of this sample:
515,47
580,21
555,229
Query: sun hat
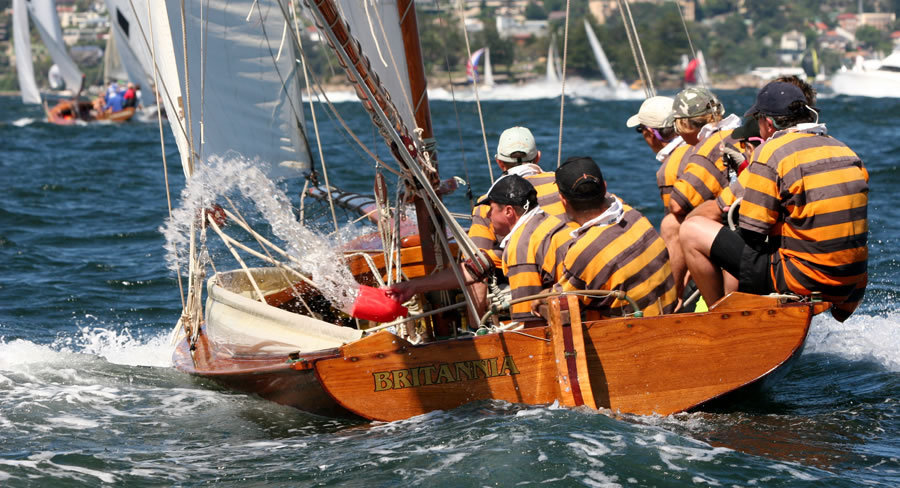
513,140
655,112
695,101
579,178
511,190
776,99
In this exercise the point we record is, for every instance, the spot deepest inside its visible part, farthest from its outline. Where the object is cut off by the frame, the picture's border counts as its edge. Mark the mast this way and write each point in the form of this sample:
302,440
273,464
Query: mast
415,68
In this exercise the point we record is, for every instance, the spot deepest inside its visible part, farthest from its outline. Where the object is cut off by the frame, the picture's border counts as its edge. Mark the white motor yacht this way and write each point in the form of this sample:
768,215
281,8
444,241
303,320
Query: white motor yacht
868,79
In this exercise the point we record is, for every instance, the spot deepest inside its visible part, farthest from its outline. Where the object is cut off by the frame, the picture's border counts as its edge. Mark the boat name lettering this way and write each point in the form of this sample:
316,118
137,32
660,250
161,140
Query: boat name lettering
444,373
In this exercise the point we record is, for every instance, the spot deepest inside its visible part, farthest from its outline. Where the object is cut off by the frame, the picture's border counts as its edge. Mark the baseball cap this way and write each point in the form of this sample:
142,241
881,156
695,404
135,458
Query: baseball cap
579,178
511,190
695,101
655,112
747,130
776,98
513,140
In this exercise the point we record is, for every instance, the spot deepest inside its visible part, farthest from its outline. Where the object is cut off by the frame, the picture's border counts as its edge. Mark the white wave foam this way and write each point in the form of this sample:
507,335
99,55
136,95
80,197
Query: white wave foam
117,347
23,122
861,337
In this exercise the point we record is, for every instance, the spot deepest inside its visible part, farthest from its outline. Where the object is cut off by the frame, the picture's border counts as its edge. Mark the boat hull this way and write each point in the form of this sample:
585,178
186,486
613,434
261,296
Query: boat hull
652,365
877,84
65,113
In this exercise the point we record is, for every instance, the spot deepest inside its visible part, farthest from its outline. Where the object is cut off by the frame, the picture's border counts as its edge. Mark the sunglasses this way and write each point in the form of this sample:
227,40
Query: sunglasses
641,128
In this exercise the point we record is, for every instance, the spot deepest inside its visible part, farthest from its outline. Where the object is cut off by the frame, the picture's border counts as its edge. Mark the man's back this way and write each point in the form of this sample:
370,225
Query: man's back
628,255
809,193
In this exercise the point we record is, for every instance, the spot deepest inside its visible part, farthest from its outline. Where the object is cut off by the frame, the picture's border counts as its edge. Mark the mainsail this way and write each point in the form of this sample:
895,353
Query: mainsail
22,44
234,87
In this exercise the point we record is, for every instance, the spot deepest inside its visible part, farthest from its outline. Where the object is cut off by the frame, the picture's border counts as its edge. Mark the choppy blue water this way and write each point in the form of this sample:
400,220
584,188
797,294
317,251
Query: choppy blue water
88,397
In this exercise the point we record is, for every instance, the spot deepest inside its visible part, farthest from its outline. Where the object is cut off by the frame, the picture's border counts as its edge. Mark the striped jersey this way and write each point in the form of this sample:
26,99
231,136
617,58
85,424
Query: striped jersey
810,193
629,256
482,233
533,258
671,169
705,174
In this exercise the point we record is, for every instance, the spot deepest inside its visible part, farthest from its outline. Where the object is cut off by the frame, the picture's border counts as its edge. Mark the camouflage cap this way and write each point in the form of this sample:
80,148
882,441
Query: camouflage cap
695,101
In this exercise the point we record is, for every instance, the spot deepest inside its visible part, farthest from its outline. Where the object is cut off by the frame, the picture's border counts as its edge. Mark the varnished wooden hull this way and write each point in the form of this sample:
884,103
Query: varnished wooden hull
653,365
65,113
271,377
650,365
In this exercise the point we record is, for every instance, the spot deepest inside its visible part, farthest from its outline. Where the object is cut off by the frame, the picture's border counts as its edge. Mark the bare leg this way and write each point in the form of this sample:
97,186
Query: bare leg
731,283
478,291
668,230
697,236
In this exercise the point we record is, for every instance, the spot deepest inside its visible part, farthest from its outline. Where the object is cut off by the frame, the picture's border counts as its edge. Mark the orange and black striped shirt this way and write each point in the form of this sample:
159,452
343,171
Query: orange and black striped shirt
482,233
810,194
669,171
532,259
629,256
705,174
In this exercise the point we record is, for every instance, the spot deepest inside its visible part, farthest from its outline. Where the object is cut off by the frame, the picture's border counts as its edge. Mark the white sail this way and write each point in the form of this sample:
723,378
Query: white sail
243,83
22,44
43,13
112,65
554,73
131,47
702,72
488,70
602,61
376,25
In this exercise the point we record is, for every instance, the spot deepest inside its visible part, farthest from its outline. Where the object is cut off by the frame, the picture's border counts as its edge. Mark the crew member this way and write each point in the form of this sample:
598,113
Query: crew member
803,222
614,247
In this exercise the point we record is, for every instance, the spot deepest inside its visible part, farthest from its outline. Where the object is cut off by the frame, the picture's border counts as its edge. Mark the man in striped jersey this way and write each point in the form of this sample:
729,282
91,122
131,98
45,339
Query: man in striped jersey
803,221
509,199
517,154
614,247
701,173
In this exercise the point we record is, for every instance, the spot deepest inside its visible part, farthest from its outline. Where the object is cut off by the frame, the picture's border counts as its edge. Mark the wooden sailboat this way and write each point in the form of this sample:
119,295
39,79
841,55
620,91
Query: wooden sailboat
268,330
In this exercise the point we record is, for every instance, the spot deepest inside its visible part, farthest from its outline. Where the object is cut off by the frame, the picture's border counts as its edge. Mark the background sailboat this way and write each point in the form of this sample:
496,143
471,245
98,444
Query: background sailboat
43,14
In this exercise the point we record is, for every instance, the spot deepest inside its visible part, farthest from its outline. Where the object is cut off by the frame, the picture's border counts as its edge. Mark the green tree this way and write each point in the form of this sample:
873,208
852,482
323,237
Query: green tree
873,38
533,11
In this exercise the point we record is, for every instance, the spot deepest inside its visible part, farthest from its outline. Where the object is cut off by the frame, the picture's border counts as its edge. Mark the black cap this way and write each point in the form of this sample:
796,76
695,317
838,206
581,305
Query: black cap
511,190
776,98
750,128
579,178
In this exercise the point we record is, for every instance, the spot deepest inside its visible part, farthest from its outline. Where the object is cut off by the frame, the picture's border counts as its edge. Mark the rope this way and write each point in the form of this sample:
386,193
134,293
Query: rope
629,34
487,153
651,91
312,111
562,96
462,148
187,90
686,31
162,146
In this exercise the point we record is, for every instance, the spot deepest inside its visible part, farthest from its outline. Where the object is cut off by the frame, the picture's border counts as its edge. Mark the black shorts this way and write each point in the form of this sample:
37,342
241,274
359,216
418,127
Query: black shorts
752,268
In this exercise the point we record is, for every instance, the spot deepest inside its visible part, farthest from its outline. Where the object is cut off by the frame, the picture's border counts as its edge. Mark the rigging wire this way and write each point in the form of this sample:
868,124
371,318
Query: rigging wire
162,144
487,154
687,33
312,111
562,96
462,147
648,89
628,33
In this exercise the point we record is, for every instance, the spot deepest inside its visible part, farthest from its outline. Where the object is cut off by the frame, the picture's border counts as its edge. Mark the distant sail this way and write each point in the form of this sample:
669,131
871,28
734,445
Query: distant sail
472,65
43,13
488,71
554,73
22,44
602,61
125,32
690,72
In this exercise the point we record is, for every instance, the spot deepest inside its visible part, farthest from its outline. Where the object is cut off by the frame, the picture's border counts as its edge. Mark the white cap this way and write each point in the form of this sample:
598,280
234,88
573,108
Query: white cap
655,112
513,140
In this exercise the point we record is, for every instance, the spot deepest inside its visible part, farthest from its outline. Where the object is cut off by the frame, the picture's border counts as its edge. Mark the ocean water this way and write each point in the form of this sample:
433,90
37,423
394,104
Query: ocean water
88,396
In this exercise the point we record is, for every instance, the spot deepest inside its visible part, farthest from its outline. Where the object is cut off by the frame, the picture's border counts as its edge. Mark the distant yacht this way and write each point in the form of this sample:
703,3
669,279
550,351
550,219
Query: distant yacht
868,79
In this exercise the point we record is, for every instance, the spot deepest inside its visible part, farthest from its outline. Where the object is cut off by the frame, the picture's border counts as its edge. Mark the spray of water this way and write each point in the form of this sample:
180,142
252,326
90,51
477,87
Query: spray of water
240,177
